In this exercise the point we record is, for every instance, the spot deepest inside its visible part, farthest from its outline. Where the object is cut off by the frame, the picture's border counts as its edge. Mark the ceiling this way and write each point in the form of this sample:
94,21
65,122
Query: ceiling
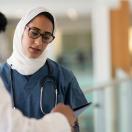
16,8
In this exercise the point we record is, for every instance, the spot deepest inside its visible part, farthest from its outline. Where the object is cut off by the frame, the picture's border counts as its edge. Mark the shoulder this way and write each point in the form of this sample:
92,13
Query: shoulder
59,122
59,69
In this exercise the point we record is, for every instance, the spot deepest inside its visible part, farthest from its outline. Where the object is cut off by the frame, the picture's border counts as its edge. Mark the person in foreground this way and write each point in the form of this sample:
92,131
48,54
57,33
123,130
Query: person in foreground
4,46
59,120
35,82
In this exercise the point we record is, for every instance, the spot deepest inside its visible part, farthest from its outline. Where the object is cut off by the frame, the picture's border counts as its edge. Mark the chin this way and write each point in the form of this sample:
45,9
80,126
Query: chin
33,56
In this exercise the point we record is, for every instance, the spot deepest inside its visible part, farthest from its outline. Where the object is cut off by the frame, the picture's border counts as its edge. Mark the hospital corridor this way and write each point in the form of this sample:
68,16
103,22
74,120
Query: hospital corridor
89,51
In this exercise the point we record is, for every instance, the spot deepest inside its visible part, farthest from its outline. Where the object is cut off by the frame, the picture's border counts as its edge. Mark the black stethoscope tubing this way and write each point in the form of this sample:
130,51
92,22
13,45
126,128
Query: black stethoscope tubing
42,86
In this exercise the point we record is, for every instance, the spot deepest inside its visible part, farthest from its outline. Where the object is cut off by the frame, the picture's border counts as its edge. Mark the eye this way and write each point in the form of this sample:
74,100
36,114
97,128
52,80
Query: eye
46,37
34,33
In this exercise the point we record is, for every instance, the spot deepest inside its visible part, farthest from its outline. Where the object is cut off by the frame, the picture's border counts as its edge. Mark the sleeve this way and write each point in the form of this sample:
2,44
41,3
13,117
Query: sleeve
13,120
74,96
5,105
10,120
54,122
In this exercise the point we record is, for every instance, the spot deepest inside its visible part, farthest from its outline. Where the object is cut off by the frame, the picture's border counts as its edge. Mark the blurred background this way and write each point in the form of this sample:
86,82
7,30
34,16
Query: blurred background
94,40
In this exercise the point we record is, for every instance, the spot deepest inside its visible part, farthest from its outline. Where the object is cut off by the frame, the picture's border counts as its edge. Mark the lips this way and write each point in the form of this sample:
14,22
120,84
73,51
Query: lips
32,49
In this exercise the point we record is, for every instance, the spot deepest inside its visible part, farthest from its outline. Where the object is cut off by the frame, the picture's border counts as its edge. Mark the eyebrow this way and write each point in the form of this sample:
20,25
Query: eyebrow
40,30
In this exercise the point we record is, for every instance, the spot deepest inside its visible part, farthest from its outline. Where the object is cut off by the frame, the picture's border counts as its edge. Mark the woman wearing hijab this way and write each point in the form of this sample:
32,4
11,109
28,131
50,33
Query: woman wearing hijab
14,121
35,82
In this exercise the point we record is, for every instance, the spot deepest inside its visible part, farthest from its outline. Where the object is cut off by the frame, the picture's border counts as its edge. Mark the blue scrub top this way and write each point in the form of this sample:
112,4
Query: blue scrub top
26,89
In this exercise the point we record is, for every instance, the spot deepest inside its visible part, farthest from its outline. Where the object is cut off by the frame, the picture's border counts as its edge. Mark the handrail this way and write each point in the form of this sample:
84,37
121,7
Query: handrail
106,85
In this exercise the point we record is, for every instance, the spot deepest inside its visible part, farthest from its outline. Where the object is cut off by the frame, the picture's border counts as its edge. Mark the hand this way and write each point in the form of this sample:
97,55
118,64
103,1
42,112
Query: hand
67,112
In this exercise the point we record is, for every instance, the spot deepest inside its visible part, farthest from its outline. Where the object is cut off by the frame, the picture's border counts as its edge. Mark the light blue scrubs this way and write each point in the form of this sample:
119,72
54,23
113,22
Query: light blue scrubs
26,89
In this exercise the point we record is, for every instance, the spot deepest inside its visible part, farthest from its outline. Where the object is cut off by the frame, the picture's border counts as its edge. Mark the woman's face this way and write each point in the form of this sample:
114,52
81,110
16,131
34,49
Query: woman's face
33,47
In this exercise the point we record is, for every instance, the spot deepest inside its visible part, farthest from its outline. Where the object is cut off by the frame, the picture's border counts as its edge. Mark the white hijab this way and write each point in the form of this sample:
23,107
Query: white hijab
18,61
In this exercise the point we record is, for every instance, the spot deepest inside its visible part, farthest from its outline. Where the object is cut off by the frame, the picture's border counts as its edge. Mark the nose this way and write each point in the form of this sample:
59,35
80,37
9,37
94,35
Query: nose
39,41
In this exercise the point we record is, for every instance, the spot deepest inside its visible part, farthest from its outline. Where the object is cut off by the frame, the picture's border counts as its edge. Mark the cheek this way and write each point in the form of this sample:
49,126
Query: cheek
25,45
44,46
25,42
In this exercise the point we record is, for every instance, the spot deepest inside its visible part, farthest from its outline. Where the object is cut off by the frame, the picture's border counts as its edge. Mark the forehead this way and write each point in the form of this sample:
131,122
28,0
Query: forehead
41,22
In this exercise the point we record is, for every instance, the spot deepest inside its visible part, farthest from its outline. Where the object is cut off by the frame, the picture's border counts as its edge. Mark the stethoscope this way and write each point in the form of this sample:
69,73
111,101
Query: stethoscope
42,86
43,82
